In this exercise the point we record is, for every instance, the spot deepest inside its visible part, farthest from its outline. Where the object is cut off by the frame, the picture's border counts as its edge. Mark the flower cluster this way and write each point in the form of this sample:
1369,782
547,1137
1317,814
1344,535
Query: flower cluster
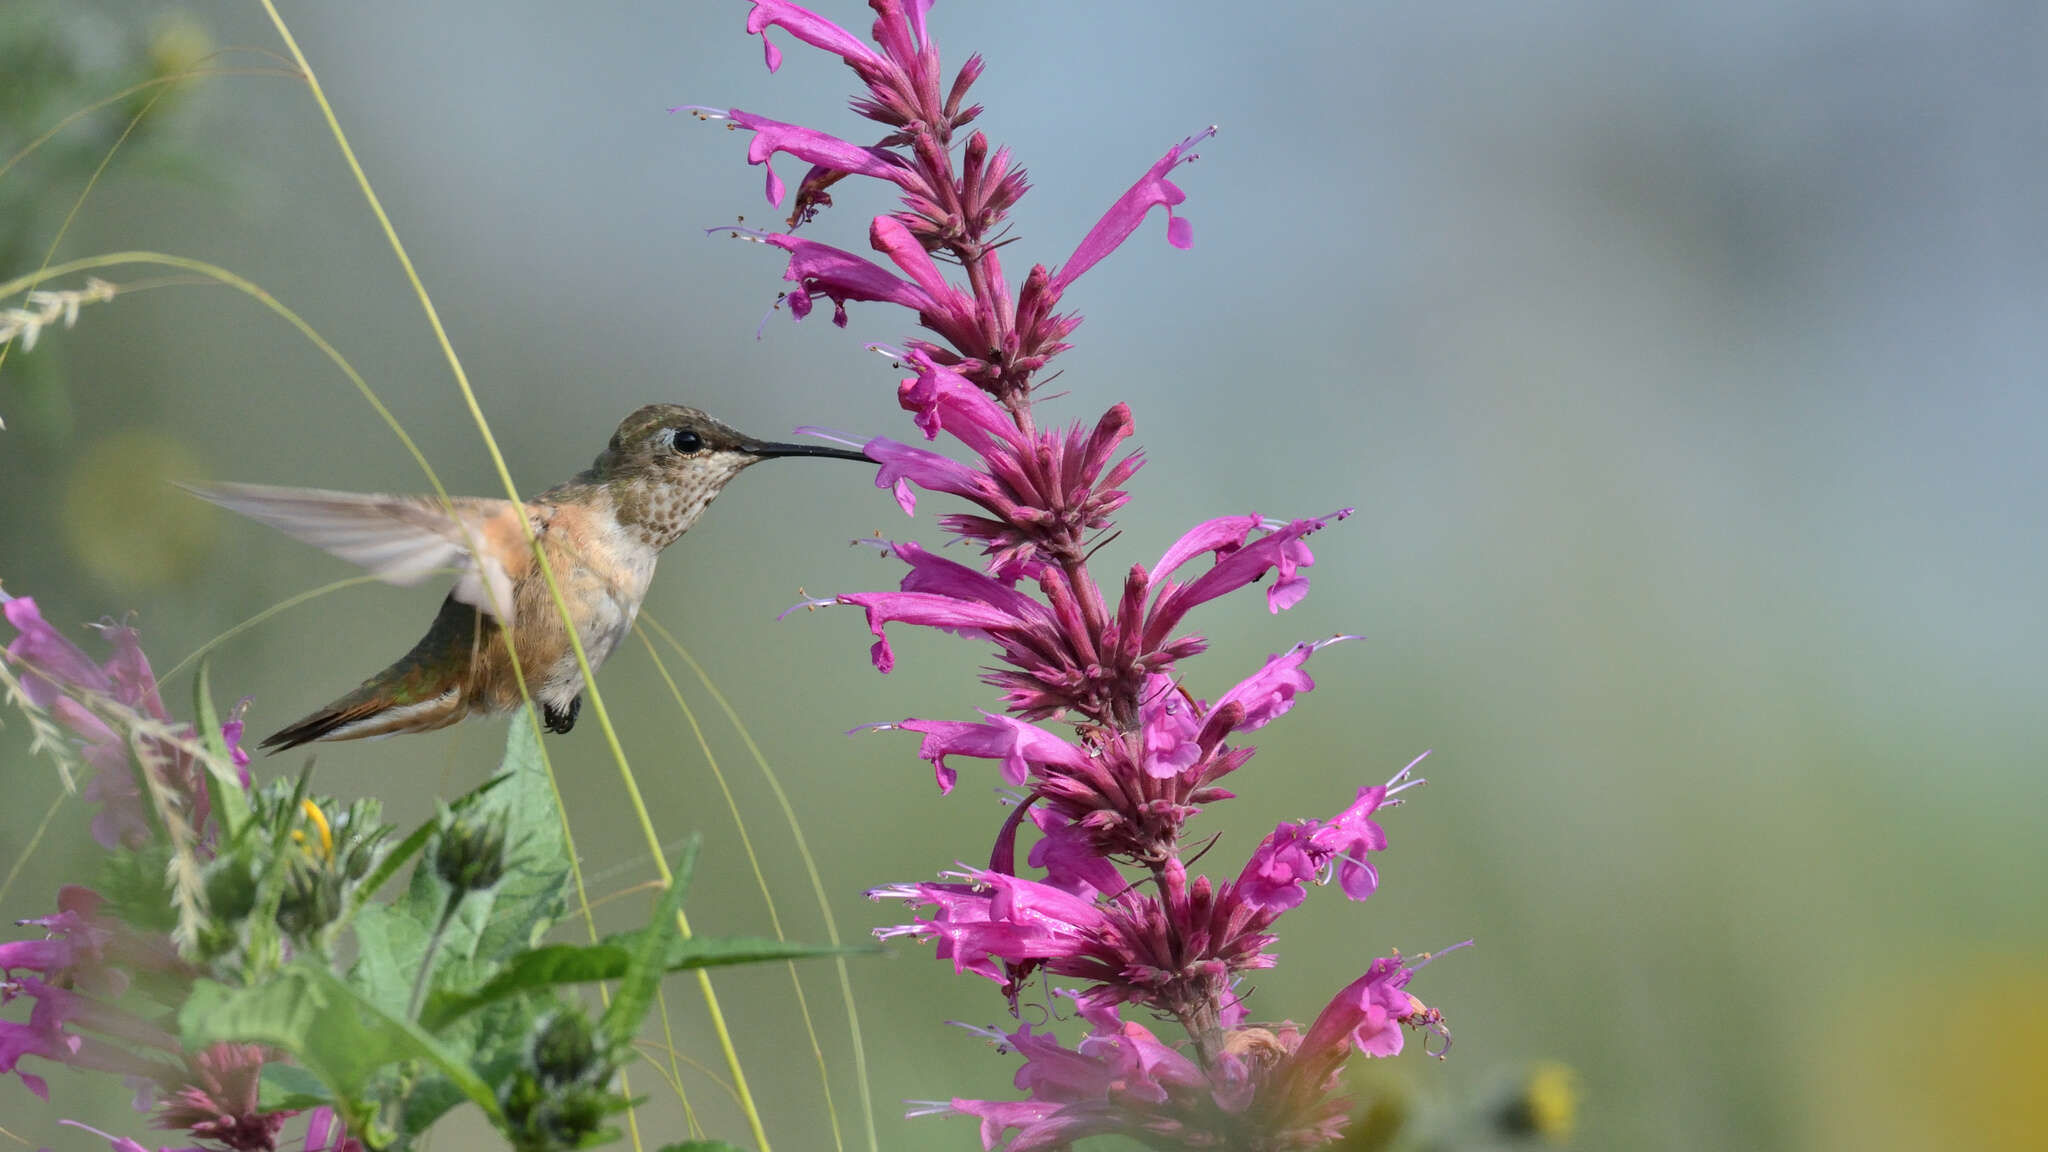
1111,904
98,974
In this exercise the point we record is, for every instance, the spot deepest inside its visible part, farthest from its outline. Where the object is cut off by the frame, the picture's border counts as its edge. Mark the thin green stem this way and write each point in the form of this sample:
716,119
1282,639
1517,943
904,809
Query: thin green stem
164,86
675,1070
282,605
425,977
248,288
810,862
153,82
760,880
546,570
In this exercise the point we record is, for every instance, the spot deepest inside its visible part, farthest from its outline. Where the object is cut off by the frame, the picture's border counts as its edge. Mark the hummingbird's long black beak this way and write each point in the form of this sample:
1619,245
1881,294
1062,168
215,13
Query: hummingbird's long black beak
767,449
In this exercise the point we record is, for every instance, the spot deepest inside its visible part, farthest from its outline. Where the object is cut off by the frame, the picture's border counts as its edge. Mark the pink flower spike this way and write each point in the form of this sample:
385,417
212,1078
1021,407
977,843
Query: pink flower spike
1153,189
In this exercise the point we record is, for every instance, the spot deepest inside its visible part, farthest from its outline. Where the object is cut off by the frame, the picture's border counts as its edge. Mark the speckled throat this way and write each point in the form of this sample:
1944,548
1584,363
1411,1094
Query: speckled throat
657,506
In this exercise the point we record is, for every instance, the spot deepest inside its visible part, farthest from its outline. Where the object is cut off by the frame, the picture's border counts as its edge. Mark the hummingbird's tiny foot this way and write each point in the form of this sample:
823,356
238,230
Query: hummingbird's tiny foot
560,720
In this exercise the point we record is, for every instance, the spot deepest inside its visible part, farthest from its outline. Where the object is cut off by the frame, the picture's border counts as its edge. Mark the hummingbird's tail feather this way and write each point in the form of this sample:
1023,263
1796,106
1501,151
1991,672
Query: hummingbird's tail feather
430,687
368,712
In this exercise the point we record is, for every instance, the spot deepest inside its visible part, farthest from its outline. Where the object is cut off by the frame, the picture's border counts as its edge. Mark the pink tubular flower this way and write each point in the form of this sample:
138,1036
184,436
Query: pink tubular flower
1177,950
83,965
1268,1087
1056,663
217,1100
1153,190
814,30
323,1134
1121,1079
59,677
839,276
1021,747
1311,851
1367,1016
772,136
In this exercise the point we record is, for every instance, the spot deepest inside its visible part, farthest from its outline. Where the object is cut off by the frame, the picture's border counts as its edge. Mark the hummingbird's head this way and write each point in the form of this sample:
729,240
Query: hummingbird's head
667,461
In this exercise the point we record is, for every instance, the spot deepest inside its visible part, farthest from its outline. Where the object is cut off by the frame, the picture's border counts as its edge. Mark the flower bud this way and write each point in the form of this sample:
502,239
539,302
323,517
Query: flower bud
230,889
575,1116
564,1048
470,855
312,900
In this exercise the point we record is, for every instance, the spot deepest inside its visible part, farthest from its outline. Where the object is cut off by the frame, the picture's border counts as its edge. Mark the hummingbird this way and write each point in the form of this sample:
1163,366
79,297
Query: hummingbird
602,531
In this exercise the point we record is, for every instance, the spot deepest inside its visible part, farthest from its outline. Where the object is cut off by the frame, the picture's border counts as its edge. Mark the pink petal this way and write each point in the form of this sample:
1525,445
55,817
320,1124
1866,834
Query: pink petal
1152,190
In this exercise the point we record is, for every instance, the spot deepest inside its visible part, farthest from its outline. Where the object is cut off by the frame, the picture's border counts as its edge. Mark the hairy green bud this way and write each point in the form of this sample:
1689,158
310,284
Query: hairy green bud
470,854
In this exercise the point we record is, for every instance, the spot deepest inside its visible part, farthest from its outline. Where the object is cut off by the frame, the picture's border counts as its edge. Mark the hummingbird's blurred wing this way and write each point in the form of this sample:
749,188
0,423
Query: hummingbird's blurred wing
398,539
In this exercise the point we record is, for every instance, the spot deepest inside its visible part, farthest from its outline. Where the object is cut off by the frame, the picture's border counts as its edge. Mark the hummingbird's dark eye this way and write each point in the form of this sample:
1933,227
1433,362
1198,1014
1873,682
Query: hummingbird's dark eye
684,441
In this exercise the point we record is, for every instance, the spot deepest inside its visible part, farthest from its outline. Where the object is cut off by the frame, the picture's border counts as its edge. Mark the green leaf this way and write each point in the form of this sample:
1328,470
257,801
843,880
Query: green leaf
644,965
137,887
330,1028
539,968
223,784
496,1040
558,964
724,951
290,1088
532,894
390,946
702,1146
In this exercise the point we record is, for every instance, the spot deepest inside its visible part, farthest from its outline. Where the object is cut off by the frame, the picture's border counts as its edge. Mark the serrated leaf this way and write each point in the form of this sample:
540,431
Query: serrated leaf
137,888
558,964
428,1101
390,946
532,893
644,967
724,951
496,1041
327,1026
223,785
540,968
289,1088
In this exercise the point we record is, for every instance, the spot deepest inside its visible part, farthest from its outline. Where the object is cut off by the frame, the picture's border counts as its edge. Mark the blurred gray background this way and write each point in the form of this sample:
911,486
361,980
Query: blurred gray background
1683,364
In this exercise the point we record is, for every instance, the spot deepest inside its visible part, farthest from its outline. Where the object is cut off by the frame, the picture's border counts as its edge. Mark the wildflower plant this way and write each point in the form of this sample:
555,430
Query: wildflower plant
1104,901
246,956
